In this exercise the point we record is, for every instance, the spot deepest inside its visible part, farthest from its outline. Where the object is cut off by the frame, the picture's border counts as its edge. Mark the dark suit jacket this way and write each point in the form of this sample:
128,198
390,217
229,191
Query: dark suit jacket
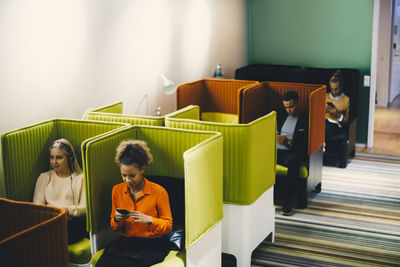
300,135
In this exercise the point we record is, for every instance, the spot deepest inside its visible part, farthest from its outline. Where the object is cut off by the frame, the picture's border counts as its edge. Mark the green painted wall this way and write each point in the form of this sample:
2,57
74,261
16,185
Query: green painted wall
315,33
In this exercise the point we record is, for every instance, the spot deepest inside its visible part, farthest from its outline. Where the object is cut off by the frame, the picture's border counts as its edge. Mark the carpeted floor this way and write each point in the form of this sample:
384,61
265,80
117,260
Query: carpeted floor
354,221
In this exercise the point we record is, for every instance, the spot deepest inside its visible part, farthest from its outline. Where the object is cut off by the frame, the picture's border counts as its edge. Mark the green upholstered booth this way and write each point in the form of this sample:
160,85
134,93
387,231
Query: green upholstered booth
188,164
265,97
32,235
113,112
249,177
25,154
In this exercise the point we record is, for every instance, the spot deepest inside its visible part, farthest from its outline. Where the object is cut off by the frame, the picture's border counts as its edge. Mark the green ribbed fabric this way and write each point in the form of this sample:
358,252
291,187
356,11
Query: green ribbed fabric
25,154
193,156
25,151
113,113
131,119
249,153
113,108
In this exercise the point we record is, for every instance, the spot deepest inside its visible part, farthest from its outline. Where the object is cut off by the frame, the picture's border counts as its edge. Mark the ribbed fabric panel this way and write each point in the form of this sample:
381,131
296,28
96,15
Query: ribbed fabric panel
317,117
168,147
77,131
32,235
113,108
131,119
203,188
247,154
188,112
192,93
212,95
25,156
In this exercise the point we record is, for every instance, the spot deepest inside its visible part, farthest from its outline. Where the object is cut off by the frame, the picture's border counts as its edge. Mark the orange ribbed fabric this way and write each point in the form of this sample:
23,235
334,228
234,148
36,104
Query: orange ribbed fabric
32,235
212,95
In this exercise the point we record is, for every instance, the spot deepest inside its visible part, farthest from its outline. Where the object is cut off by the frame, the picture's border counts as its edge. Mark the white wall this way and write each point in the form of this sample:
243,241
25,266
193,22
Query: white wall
60,57
395,77
384,55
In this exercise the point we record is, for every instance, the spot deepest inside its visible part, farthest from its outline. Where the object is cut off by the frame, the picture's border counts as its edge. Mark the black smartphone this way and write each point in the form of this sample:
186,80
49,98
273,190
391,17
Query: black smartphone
331,104
122,211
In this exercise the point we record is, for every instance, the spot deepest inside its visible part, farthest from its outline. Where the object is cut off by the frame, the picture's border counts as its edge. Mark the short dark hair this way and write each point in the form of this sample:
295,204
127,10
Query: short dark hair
291,95
337,77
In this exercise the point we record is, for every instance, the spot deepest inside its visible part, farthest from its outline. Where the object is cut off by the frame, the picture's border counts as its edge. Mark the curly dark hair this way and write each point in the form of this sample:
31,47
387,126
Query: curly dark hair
133,152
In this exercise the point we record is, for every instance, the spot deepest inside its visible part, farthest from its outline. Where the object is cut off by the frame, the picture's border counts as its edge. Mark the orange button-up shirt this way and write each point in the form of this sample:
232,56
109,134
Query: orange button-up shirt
152,201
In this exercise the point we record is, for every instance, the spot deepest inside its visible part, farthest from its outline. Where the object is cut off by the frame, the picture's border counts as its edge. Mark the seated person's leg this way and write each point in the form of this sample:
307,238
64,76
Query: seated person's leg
331,129
292,162
76,229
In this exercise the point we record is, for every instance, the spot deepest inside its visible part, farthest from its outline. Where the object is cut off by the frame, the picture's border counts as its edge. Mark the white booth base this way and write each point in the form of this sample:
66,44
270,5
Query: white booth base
244,227
206,252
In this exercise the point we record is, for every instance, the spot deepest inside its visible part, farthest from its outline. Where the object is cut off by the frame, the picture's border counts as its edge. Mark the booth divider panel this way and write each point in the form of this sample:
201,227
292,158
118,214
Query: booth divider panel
203,188
131,119
238,163
113,108
25,155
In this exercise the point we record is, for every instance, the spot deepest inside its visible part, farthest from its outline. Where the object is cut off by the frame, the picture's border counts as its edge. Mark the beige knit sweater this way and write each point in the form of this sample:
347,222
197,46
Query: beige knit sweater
67,193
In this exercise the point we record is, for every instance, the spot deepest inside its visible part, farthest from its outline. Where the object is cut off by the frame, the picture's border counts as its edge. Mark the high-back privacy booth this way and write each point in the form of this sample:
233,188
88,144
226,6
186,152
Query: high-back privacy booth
315,75
32,235
25,154
188,164
114,112
268,96
218,99
249,177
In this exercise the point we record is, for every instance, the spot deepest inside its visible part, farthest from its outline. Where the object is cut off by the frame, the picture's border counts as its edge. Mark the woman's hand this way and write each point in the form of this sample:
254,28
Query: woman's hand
140,217
120,217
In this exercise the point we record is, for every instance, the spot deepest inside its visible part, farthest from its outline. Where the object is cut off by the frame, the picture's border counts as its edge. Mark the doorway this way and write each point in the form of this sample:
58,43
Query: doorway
386,121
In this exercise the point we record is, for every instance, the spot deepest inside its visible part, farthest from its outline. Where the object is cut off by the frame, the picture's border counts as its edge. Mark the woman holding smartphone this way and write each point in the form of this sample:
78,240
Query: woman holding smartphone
140,210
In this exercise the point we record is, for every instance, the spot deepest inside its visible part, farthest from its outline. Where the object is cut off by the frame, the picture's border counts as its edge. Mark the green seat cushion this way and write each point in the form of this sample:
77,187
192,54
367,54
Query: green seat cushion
96,257
282,171
173,259
79,252
219,117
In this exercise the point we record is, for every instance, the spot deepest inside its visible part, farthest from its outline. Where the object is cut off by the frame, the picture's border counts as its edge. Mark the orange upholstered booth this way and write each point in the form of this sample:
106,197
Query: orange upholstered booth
213,95
262,98
32,235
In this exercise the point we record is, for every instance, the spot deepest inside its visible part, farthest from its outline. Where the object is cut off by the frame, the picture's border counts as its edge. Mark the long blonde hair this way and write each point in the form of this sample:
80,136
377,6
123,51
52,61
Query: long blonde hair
65,146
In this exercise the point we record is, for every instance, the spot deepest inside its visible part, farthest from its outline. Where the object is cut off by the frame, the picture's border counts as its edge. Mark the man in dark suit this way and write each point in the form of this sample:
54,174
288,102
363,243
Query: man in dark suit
292,145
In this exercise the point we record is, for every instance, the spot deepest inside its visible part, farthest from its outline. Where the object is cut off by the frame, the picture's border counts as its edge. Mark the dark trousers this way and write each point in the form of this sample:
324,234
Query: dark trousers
76,229
134,251
292,161
331,130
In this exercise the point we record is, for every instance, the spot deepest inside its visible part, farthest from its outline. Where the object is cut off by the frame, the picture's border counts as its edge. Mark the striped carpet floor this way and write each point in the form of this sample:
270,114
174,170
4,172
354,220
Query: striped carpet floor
354,221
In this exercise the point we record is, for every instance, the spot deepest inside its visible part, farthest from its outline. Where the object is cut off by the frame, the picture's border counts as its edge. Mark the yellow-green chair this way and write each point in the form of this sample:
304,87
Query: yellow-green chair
249,177
192,160
25,154
113,112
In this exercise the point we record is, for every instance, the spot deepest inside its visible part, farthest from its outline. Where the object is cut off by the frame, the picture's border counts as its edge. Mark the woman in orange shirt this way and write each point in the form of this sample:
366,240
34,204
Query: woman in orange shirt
140,210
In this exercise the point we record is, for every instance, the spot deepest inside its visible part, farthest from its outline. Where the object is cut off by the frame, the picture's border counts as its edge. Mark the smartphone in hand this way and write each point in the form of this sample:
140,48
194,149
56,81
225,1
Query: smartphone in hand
122,211
331,104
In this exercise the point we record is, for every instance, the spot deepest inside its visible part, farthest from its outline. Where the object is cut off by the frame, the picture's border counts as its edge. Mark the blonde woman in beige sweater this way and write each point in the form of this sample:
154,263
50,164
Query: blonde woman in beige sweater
63,187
